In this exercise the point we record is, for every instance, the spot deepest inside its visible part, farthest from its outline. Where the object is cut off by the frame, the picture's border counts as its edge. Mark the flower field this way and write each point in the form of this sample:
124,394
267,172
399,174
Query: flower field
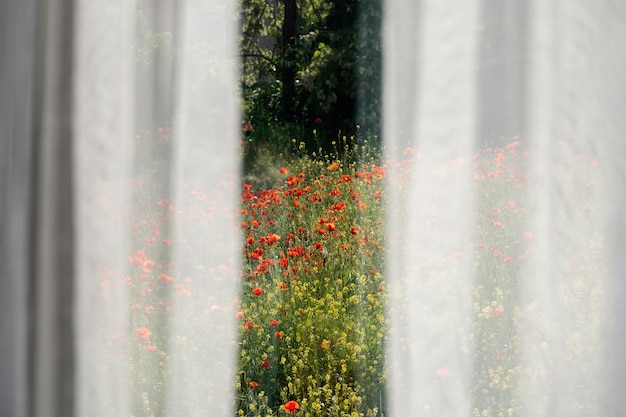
312,320
312,315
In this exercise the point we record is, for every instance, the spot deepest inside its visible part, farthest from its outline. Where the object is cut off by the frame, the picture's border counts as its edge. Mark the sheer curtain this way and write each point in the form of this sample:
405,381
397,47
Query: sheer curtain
504,242
501,106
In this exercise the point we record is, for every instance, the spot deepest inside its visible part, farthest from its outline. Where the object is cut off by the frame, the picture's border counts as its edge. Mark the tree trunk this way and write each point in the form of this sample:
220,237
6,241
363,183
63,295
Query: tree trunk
288,62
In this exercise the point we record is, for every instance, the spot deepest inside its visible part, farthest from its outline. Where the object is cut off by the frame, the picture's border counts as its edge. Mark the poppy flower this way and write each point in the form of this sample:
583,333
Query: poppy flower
283,170
257,291
143,333
273,323
279,335
266,364
253,384
325,344
249,325
291,407
165,278
273,238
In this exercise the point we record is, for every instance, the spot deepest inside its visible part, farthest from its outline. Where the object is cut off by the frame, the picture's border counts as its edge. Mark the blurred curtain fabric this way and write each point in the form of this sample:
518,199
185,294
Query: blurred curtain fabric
84,99
18,23
523,308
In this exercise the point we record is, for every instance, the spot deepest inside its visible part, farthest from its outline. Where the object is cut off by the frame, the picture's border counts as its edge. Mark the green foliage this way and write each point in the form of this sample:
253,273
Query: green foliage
336,59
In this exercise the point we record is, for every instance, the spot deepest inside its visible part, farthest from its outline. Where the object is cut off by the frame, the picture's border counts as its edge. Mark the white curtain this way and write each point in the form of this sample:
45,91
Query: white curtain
138,176
509,105
505,236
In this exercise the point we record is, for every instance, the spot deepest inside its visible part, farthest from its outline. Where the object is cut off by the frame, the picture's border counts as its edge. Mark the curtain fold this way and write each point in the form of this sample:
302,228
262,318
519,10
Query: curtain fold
17,119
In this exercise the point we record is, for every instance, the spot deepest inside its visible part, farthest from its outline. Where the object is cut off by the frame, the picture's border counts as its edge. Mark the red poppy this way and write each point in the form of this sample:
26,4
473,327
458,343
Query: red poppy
253,384
273,238
143,333
165,278
354,231
279,335
274,323
257,291
249,325
266,364
291,407
283,170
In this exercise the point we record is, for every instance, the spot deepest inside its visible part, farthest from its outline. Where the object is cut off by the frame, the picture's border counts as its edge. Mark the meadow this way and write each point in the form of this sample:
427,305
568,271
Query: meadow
312,315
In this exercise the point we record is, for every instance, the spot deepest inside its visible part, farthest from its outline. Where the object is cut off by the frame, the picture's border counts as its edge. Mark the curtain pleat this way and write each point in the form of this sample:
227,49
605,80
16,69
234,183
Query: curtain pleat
18,23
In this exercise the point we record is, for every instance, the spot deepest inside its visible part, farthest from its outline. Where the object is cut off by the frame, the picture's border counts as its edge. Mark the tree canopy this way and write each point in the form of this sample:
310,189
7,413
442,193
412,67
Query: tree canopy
312,64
